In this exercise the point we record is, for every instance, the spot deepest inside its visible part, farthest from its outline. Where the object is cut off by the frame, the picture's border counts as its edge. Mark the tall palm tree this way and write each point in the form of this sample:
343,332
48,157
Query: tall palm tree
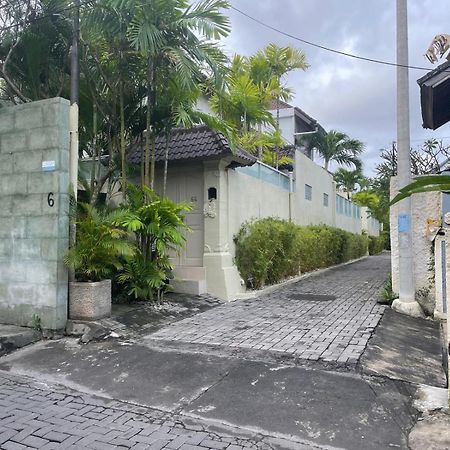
347,180
276,62
336,146
175,34
242,104
34,43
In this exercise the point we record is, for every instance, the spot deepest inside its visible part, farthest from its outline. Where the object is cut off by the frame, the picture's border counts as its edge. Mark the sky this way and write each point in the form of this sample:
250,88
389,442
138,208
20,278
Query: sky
356,97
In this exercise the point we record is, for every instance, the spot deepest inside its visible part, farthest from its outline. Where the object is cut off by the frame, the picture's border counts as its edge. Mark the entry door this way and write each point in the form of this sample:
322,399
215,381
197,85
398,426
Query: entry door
187,186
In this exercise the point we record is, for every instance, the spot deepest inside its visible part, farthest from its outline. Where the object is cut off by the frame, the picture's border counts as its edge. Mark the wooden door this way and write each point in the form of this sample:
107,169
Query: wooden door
187,186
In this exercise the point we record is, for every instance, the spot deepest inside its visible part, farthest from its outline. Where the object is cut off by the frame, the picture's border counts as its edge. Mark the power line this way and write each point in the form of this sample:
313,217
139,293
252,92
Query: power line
322,47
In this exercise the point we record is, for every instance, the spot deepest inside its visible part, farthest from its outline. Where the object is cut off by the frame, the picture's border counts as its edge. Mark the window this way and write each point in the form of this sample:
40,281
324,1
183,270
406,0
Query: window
325,199
308,192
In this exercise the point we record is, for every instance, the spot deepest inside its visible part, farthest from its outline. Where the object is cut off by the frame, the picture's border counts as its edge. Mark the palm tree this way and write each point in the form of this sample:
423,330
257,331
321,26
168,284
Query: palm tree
175,34
242,104
275,62
347,180
34,43
336,146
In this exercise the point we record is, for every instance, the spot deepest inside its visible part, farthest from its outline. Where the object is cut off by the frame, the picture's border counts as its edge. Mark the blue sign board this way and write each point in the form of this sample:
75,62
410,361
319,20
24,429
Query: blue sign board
404,223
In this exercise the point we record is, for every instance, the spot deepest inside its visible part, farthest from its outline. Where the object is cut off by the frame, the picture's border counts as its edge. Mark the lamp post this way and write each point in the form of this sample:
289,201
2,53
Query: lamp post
406,302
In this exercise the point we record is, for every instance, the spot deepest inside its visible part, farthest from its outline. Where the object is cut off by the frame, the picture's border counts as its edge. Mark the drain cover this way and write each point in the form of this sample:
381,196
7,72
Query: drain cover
313,297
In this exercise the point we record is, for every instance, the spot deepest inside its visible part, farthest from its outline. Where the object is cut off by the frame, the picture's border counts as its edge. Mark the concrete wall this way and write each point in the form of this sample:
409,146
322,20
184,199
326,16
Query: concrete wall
348,215
370,225
313,211
424,206
33,234
286,124
251,198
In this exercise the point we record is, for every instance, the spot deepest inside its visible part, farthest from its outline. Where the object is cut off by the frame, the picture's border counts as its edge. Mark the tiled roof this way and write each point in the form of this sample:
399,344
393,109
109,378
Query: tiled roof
307,119
281,105
198,143
440,69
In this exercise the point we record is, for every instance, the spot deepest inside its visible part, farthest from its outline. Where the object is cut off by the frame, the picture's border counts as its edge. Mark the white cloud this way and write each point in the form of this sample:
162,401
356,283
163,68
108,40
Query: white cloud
356,97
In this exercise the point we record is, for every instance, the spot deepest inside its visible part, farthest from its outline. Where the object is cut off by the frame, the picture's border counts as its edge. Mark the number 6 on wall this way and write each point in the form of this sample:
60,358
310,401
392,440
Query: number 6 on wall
50,199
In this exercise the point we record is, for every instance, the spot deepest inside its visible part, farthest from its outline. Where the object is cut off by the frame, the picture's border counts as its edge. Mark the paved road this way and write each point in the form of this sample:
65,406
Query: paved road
329,317
207,396
33,415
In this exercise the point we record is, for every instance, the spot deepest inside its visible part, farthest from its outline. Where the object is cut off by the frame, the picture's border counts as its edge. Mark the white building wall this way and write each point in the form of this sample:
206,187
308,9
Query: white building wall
252,198
307,212
349,221
203,105
370,225
287,124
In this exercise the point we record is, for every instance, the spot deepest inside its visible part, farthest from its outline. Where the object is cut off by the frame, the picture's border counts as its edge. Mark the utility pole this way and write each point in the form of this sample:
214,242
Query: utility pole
73,118
406,303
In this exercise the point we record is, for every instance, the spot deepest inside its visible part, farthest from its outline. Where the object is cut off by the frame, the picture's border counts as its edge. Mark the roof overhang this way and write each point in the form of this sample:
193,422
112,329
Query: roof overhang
435,96
308,122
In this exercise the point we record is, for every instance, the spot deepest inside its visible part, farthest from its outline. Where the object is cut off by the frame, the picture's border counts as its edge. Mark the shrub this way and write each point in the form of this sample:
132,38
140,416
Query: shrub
156,226
99,245
270,250
267,251
387,294
376,244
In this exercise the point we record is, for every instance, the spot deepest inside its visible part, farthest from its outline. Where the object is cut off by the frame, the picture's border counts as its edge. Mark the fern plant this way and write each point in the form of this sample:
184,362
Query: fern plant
387,294
142,278
100,244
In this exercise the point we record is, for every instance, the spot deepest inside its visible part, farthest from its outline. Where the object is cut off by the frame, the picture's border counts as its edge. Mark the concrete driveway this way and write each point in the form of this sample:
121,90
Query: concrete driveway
280,371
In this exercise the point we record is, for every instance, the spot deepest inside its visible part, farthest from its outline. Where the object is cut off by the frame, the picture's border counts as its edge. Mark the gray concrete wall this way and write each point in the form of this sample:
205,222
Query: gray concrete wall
34,234
425,206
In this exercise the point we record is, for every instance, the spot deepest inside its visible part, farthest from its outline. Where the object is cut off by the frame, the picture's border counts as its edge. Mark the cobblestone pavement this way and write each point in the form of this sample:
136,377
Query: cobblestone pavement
36,416
328,317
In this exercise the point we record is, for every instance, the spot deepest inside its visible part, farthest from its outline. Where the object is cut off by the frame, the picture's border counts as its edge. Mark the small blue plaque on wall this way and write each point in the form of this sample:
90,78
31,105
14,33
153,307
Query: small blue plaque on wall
48,166
404,223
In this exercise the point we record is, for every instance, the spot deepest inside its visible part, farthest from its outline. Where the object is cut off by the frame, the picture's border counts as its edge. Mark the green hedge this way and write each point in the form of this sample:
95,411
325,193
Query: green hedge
270,250
376,244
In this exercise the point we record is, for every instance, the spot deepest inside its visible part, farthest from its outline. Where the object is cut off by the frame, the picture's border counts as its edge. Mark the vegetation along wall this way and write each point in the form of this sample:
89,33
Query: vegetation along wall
34,207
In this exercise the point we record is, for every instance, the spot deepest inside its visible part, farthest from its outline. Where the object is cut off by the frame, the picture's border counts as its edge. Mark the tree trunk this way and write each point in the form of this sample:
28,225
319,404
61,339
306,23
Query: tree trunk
152,162
153,107
166,163
122,141
148,125
141,140
278,112
94,150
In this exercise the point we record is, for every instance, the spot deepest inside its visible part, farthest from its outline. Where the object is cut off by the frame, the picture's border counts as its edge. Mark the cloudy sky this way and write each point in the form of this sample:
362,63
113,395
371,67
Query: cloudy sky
353,96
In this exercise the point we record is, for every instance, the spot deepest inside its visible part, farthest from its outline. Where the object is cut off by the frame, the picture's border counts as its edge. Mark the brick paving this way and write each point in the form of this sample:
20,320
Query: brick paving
37,416
288,322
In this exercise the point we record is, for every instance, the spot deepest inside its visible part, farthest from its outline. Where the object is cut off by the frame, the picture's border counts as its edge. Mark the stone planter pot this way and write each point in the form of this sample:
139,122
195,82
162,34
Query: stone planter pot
89,300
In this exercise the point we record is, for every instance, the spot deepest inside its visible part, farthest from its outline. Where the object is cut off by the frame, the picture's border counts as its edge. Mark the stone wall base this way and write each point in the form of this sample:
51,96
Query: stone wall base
222,277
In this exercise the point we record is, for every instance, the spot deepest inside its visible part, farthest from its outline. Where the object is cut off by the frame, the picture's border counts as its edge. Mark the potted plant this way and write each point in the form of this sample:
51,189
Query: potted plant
94,257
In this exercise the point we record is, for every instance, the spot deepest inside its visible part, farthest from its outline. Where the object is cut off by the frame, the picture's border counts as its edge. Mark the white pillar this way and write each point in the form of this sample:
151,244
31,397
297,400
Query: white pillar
406,302
222,276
